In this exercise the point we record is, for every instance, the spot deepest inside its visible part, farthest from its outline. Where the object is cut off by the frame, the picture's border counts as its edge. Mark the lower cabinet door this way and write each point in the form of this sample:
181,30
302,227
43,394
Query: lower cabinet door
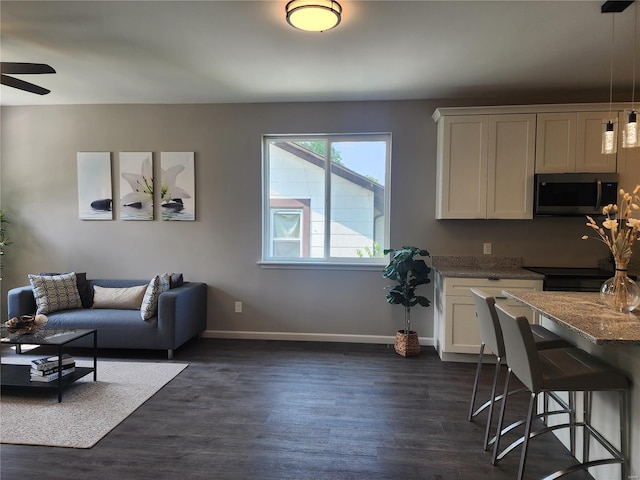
462,334
461,331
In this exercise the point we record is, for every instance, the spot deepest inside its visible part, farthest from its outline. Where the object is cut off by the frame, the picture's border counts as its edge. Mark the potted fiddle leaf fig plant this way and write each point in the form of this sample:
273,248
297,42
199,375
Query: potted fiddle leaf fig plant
409,273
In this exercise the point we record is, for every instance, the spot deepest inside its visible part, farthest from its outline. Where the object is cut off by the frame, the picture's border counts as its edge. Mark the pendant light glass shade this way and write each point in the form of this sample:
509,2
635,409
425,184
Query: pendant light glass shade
609,138
630,127
630,130
313,15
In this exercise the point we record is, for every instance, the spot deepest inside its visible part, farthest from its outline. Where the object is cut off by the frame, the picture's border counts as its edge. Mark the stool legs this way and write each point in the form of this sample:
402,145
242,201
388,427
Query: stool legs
586,415
572,421
527,434
624,433
487,430
475,383
492,399
496,443
620,455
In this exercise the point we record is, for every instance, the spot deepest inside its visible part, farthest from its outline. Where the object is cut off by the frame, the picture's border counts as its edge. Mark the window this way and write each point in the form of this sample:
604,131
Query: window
326,198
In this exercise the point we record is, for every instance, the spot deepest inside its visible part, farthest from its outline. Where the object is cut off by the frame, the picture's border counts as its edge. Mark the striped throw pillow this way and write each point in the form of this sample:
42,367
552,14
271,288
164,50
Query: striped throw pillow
157,285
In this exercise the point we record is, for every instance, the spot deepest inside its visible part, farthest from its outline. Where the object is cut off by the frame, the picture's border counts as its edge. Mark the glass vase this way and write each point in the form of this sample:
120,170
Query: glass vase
620,292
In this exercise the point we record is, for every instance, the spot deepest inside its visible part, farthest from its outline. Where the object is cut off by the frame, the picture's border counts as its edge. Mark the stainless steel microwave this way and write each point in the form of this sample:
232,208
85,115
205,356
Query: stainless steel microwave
568,194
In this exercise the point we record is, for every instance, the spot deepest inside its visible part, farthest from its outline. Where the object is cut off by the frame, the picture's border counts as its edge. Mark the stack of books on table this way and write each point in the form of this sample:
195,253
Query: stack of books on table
46,369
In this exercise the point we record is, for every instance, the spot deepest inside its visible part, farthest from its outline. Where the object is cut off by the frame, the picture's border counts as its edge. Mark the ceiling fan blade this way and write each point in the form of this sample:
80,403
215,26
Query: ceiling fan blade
22,85
26,68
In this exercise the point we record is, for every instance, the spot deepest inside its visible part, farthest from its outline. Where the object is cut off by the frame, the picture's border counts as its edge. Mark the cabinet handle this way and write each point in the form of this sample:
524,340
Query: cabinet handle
493,279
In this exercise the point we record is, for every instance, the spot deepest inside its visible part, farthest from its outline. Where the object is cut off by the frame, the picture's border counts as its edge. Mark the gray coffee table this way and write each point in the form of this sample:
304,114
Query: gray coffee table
18,375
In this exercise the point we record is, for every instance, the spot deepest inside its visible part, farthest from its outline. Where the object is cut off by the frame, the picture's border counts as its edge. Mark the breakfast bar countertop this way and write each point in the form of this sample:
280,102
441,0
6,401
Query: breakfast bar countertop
582,313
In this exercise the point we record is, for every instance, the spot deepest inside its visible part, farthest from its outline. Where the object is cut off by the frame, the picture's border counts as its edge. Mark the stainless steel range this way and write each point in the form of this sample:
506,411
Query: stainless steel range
572,279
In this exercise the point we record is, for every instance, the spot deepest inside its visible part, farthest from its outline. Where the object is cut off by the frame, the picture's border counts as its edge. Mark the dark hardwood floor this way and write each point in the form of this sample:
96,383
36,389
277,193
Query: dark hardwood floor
295,410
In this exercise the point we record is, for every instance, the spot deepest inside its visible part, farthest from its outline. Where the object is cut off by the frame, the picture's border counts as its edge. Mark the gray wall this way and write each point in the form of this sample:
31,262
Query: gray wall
223,246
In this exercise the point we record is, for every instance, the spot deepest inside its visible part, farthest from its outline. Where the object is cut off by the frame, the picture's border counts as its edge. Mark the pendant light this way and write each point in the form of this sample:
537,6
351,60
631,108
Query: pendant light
313,15
609,128
630,131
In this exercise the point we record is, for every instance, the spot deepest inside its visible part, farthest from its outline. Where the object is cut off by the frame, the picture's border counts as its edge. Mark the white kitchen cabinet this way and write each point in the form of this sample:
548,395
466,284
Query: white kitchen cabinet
456,331
568,142
485,166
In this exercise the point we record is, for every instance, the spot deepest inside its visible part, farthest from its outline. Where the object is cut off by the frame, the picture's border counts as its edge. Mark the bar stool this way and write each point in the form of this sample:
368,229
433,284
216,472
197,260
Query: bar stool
560,370
491,336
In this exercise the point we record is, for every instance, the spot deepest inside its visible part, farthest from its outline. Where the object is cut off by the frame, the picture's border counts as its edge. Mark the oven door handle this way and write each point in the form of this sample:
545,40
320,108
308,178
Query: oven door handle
598,193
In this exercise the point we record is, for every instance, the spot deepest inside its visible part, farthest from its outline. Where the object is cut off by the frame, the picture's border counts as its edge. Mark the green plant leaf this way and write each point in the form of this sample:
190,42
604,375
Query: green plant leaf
409,273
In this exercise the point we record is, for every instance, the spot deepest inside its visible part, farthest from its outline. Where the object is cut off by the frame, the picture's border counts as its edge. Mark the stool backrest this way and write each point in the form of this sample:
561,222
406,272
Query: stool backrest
490,331
522,353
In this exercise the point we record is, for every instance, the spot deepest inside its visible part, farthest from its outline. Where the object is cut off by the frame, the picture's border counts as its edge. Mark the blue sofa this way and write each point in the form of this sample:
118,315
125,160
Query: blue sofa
181,315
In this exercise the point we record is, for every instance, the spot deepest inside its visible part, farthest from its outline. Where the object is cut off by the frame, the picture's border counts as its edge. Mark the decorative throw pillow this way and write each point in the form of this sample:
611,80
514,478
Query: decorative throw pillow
176,280
84,288
55,292
157,285
121,298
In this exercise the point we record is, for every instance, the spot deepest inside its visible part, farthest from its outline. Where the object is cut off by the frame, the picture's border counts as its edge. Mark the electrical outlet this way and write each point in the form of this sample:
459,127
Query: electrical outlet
487,249
238,307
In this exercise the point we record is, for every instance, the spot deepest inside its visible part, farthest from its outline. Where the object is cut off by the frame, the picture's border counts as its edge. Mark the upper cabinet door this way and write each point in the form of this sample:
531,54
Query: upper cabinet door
571,142
556,142
462,167
588,156
485,166
511,160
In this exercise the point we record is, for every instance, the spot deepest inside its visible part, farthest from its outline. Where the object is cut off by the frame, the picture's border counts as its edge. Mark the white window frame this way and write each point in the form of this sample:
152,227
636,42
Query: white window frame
351,262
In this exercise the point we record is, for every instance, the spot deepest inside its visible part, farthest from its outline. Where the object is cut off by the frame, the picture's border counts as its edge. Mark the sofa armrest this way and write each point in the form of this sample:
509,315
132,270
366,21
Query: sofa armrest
182,311
20,301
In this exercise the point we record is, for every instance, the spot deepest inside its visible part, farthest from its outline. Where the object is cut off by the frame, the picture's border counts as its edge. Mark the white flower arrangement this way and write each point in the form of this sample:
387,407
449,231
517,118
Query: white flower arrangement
620,230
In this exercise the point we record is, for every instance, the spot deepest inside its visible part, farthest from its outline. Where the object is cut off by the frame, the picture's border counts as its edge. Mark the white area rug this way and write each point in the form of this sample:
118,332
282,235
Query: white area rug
89,410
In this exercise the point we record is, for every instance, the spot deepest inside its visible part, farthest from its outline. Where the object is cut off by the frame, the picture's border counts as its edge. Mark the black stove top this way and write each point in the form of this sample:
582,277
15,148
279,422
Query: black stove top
572,279
572,272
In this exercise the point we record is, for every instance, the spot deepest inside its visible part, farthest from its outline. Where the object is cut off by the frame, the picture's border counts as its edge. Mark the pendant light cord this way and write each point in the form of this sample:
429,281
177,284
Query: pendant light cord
635,54
613,34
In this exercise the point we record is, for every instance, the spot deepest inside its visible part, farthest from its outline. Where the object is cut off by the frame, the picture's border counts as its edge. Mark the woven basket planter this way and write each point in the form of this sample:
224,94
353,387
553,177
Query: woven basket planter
407,344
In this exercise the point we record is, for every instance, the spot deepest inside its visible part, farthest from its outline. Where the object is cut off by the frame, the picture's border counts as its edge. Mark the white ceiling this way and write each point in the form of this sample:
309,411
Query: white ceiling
244,51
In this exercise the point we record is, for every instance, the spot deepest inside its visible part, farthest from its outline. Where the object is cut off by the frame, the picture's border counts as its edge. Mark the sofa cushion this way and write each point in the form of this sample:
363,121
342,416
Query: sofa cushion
55,292
129,298
84,288
157,285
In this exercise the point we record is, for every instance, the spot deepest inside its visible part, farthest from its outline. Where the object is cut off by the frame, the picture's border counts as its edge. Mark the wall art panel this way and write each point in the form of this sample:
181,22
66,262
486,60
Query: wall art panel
136,186
177,186
95,194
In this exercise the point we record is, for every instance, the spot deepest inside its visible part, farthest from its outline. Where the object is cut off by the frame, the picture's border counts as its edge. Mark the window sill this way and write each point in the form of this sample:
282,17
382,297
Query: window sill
321,265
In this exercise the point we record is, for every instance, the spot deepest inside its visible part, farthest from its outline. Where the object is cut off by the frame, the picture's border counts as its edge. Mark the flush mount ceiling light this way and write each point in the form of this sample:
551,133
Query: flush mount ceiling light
313,15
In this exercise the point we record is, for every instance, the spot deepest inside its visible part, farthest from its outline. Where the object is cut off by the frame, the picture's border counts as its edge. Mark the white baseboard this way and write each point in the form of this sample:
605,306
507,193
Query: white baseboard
308,337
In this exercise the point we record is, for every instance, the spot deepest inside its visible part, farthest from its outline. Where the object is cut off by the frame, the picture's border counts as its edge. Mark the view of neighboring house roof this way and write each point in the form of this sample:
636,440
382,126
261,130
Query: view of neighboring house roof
340,170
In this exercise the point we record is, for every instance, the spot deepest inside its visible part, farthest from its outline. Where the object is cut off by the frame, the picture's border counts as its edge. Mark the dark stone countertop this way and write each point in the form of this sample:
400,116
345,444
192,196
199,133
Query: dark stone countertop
582,313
